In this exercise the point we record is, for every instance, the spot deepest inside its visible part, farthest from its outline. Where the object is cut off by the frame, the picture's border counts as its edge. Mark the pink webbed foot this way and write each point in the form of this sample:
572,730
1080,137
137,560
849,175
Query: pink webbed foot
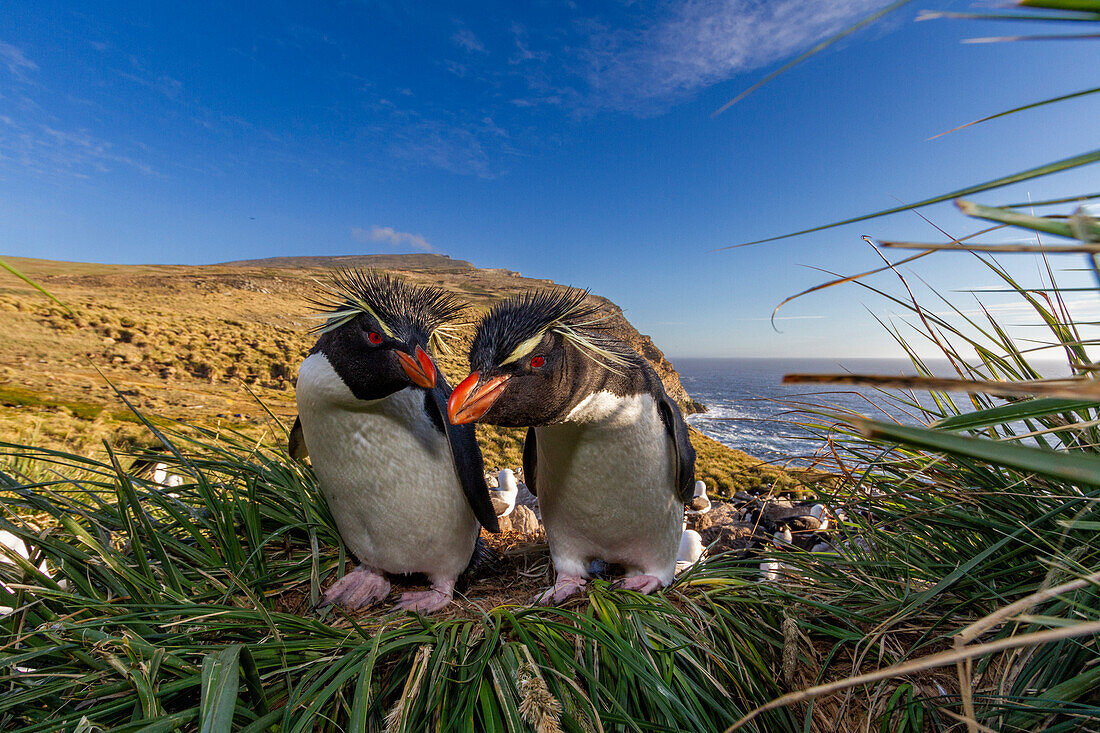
644,584
361,587
427,601
564,587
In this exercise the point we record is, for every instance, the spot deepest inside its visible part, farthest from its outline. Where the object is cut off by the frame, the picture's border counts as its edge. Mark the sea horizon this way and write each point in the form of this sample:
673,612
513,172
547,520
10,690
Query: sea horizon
749,409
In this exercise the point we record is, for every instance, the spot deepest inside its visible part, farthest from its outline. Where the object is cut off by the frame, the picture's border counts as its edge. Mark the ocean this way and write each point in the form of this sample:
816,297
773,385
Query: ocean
748,408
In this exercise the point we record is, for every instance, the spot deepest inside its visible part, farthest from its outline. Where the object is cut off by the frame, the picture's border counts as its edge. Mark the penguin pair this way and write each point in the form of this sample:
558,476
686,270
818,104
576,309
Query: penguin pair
396,458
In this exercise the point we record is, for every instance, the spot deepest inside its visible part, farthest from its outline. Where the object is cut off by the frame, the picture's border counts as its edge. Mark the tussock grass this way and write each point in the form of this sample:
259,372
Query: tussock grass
153,597
963,592
166,608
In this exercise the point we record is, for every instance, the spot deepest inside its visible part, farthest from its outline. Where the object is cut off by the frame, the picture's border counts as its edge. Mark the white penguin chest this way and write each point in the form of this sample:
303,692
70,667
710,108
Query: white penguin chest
606,482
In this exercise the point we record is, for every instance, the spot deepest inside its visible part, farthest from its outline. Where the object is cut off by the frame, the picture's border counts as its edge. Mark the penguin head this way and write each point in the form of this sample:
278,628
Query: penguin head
534,358
378,330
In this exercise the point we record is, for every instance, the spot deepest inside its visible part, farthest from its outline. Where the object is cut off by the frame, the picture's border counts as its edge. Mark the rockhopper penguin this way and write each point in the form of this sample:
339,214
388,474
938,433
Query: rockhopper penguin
606,450
407,490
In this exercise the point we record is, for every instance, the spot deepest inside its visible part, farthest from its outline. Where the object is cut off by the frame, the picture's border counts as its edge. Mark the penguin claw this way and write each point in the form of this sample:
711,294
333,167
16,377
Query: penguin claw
361,587
566,586
644,584
423,601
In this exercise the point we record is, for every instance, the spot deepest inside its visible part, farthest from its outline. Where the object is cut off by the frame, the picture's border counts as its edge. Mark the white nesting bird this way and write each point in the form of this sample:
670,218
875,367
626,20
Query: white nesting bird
157,473
822,514
700,502
691,549
770,568
16,546
504,497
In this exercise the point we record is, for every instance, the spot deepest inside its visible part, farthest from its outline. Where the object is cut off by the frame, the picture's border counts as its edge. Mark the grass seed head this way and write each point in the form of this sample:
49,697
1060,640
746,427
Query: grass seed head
537,705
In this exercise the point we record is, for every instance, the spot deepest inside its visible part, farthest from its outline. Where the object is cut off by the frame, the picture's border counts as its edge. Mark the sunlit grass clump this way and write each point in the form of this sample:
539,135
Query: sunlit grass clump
168,606
962,592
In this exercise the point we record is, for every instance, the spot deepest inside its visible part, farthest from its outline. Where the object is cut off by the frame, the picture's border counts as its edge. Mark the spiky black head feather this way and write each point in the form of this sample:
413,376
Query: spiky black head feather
514,326
398,306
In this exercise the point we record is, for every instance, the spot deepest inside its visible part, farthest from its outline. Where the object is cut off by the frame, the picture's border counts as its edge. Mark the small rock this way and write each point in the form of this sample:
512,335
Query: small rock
721,514
524,520
525,498
505,523
727,537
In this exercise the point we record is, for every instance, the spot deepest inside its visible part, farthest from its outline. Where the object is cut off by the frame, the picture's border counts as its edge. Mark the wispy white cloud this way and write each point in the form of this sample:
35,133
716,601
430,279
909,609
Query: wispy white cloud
392,237
647,58
471,147
522,51
47,151
701,43
141,74
16,61
1080,308
465,39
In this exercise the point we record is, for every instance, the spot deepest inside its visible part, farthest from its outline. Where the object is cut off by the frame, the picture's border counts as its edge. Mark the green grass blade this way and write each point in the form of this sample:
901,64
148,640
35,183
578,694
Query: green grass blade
34,285
220,681
1084,6
1083,228
1014,412
1076,469
1023,108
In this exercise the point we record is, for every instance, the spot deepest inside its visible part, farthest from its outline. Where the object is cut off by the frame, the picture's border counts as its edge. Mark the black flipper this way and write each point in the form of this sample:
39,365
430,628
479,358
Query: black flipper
530,461
296,442
485,562
466,454
677,430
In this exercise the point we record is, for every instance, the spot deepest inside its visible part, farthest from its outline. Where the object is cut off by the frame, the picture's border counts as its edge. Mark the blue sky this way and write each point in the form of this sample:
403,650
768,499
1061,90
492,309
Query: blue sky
566,141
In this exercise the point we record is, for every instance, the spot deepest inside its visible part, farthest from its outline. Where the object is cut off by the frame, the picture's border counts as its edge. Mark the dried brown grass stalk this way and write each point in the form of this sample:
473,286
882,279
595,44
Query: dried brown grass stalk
919,665
395,718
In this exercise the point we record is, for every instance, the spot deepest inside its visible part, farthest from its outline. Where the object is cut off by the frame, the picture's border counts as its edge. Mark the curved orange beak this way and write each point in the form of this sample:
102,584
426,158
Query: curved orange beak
469,401
421,370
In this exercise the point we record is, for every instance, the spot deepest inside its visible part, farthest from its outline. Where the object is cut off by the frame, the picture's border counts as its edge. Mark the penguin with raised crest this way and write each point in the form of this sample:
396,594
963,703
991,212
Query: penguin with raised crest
406,488
607,450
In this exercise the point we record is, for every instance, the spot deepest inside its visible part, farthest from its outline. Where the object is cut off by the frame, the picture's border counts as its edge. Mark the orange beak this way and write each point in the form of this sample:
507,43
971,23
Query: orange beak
421,370
469,401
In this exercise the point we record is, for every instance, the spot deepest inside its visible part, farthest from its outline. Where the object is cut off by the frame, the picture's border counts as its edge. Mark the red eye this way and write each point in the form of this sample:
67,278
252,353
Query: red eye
374,337
537,361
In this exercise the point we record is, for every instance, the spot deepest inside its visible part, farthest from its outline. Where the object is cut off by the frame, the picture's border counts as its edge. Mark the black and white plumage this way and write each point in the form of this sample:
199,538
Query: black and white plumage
407,489
607,451
805,527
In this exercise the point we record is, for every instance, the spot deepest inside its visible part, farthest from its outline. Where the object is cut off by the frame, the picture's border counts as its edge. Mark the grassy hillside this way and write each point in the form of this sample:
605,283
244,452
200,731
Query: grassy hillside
205,344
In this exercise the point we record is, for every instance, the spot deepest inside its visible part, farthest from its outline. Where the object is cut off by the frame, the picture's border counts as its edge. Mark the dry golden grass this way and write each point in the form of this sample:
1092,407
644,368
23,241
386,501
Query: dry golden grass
194,344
